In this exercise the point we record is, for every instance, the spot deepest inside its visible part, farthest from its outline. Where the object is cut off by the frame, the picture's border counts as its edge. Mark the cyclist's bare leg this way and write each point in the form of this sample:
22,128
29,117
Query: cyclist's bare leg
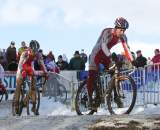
33,94
16,96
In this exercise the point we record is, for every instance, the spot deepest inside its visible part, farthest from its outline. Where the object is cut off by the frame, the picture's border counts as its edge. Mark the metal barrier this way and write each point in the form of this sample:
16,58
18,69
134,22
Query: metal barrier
147,80
152,84
60,88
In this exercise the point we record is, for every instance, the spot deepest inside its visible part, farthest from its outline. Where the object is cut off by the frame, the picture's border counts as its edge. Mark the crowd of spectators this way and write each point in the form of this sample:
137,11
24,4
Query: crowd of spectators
140,60
9,59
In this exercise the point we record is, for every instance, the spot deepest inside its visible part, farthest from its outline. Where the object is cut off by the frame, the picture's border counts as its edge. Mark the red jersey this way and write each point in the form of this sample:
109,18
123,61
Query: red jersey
26,62
105,42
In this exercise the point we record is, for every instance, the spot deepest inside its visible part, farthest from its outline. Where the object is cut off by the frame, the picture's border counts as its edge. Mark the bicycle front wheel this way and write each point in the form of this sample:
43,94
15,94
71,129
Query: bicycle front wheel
122,95
82,101
62,93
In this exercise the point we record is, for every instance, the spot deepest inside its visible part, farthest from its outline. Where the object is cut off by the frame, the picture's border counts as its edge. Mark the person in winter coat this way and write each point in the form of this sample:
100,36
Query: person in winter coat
83,56
76,63
63,65
11,53
140,61
156,58
21,49
50,63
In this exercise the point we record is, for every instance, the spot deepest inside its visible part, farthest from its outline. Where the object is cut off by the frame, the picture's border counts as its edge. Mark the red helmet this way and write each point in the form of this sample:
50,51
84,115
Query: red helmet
121,23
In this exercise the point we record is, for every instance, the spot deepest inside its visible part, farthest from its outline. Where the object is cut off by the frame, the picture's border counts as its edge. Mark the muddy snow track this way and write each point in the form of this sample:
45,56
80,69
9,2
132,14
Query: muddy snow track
48,123
93,122
8,122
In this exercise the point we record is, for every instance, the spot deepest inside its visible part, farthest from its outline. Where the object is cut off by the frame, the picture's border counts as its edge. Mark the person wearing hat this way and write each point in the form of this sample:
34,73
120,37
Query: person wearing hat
83,55
156,58
21,49
11,53
76,63
63,65
140,61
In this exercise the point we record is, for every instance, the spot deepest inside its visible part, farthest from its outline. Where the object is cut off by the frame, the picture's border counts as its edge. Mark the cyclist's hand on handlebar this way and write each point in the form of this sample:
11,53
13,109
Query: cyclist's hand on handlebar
114,57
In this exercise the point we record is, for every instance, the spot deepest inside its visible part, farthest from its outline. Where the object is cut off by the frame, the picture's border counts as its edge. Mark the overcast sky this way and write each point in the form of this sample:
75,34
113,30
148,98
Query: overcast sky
64,26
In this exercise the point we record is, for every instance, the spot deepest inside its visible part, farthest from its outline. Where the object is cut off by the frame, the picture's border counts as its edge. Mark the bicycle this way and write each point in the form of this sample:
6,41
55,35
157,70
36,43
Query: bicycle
115,93
55,88
3,92
25,97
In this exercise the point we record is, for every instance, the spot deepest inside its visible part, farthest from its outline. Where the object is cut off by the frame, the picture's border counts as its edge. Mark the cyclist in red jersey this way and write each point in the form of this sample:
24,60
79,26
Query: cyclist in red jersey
26,68
101,51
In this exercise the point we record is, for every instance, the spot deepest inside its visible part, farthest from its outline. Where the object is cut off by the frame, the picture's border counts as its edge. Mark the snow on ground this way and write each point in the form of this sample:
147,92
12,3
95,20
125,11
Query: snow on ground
49,107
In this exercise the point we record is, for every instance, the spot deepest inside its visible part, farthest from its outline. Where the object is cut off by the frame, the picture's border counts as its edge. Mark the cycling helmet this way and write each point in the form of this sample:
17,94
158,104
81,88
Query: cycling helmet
121,23
34,45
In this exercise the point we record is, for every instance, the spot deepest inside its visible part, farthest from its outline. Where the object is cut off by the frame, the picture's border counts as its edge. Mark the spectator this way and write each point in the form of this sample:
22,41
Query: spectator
63,65
76,63
140,61
149,61
41,52
4,55
4,59
21,49
50,63
1,73
156,58
37,64
64,57
1,53
11,53
83,56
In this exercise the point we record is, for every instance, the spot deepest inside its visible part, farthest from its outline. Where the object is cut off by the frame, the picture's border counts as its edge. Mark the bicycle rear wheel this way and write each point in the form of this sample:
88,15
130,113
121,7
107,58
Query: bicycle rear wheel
3,94
122,95
82,101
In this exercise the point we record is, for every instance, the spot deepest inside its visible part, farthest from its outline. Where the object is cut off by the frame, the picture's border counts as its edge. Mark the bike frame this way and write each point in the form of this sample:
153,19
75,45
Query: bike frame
102,86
